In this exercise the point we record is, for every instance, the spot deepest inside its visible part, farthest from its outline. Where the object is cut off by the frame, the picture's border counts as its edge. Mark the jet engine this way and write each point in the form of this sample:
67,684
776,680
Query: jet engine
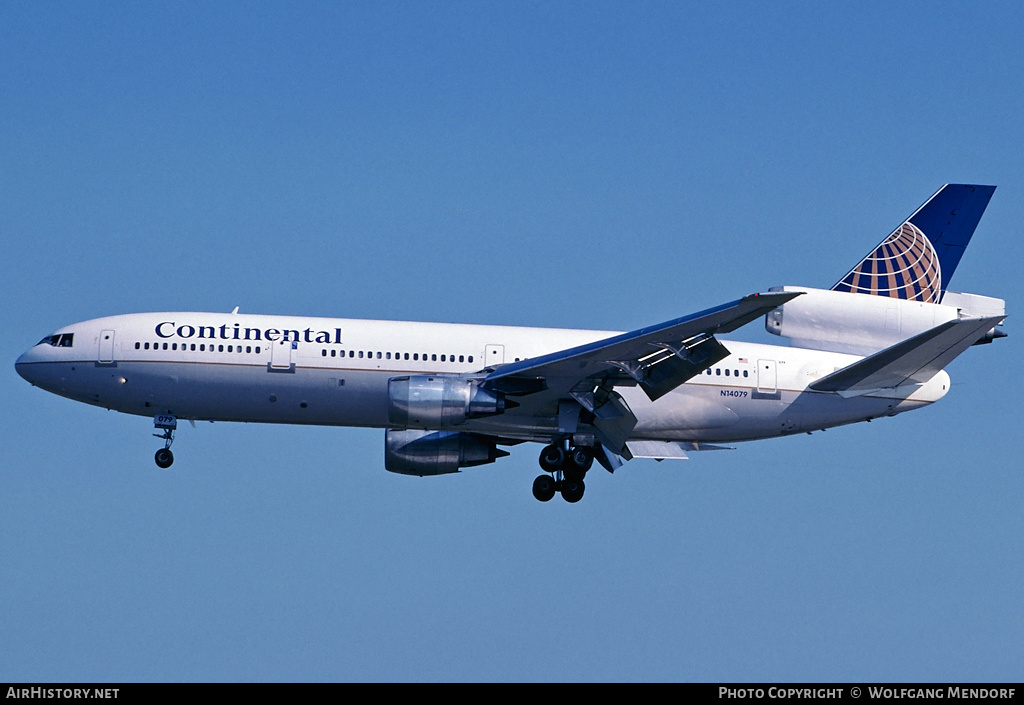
413,452
862,324
437,401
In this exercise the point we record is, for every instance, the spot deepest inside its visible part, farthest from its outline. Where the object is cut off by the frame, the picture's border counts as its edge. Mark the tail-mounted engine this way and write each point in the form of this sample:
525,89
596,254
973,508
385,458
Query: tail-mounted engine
863,324
411,452
437,401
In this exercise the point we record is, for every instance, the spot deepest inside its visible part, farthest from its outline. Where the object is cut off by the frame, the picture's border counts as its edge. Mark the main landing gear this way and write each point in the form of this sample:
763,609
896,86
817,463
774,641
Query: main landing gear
164,457
568,467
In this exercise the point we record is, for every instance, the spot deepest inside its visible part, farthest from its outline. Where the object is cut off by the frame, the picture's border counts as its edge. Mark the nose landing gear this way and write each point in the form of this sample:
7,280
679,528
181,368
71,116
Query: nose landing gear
167,422
164,458
567,468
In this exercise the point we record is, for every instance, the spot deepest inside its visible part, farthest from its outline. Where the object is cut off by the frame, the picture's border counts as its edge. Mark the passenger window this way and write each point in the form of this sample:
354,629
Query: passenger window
137,346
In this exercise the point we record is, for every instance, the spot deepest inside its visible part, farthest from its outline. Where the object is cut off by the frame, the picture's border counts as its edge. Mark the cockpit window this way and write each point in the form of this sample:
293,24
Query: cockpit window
61,340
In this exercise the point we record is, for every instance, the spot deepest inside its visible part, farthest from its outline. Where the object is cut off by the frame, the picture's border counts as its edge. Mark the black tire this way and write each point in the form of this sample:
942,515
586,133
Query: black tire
552,458
572,490
582,458
164,458
544,488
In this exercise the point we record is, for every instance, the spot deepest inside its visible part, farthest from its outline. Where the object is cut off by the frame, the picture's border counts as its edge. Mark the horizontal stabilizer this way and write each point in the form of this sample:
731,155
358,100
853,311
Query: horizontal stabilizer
912,361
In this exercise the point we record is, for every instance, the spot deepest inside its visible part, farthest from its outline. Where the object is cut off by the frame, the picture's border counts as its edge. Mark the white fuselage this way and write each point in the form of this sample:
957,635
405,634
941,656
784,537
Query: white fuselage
277,369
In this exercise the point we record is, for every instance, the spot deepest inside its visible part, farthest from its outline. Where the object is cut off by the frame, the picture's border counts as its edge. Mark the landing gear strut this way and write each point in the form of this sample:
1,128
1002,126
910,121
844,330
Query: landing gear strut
164,458
567,468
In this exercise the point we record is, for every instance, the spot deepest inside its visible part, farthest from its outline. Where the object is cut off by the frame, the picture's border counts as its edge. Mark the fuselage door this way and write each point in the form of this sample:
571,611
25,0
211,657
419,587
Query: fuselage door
494,355
767,376
106,351
281,358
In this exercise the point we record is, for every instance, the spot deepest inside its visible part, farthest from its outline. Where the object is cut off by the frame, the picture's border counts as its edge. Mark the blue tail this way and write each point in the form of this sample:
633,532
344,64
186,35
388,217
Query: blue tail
918,259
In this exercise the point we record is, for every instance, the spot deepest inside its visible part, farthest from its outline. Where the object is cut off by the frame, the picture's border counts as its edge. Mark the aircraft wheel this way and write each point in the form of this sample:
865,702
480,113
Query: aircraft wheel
552,458
164,458
572,490
582,457
544,488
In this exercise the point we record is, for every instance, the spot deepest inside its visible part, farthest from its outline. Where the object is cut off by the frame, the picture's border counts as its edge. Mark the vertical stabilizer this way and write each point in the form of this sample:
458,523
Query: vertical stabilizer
918,259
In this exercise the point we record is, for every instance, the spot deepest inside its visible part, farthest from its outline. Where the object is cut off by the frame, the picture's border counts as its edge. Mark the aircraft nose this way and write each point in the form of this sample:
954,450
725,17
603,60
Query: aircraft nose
23,366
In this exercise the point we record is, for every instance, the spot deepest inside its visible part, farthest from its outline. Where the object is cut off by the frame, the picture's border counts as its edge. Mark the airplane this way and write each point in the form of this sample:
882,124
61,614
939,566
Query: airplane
450,395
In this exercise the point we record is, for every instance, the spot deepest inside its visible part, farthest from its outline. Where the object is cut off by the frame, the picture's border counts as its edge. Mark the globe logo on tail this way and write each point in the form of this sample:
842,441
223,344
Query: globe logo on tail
904,266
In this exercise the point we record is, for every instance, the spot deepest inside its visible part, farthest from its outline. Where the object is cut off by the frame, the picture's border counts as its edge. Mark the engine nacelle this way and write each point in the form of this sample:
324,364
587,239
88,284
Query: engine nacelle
412,452
863,324
438,401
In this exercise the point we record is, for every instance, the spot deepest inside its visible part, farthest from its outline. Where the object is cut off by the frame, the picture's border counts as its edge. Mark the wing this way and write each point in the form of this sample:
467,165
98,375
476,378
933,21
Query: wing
658,358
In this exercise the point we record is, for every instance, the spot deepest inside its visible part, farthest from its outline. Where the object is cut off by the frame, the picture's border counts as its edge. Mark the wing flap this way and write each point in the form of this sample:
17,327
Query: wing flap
614,421
663,371
668,450
659,450
912,361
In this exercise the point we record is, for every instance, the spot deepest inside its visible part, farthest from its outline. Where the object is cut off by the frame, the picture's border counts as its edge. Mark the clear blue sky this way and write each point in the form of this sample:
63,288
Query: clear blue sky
566,164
